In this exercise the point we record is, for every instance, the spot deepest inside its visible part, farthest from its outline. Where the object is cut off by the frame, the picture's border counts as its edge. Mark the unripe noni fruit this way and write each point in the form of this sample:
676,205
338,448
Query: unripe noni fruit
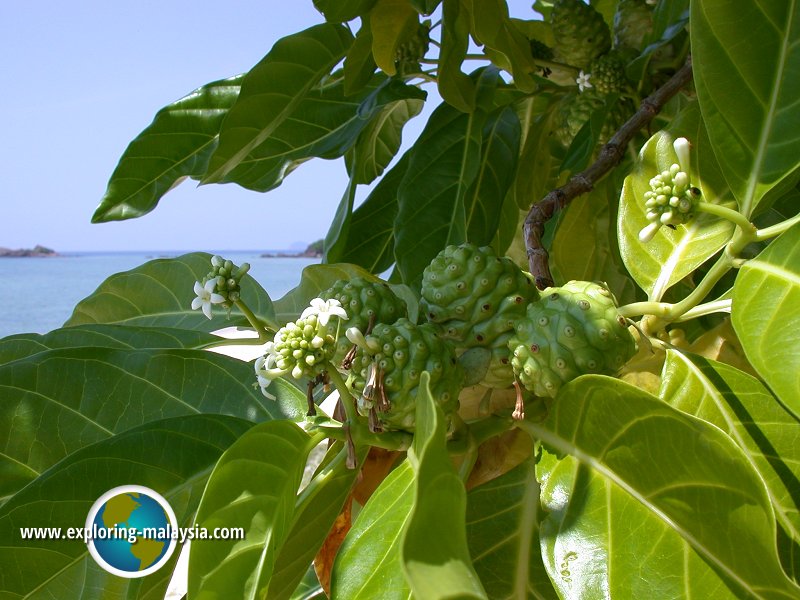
608,74
573,330
577,109
365,302
633,21
580,33
474,295
387,370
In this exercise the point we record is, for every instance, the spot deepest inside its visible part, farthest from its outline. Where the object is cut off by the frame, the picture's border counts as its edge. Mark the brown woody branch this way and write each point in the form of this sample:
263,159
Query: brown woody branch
609,157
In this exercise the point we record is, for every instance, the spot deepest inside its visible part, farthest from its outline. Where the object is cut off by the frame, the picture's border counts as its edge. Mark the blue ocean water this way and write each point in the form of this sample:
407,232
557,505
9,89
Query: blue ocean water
39,294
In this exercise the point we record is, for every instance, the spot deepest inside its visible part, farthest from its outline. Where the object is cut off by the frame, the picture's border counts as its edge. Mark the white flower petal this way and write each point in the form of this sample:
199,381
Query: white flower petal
322,318
207,309
210,285
217,299
197,303
198,288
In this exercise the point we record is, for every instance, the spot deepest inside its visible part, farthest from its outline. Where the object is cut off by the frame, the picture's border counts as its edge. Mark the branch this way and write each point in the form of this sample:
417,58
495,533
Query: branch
609,157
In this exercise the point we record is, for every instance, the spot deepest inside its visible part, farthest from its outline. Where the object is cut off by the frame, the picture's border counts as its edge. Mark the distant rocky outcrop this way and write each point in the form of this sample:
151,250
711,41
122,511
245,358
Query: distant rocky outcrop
314,250
36,252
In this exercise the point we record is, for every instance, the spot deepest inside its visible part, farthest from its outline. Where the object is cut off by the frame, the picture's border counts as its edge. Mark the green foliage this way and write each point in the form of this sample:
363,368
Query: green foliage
682,480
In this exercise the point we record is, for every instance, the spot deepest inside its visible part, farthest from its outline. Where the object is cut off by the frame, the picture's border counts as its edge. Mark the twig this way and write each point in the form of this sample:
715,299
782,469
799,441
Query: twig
609,157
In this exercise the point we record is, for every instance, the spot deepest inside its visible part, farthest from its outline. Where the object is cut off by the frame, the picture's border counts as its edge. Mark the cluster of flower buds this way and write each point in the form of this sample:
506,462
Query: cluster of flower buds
671,199
303,348
220,286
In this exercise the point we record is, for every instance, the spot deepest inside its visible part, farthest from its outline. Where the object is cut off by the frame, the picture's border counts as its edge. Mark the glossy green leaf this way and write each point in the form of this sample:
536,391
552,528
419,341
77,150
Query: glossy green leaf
455,87
766,315
159,293
669,21
171,456
339,11
253,486
672,254
358,64
537,117
368,561
316,509
742,407
748,91
591,219
176,145
273,89
315,279
380,140
498,163
582,148
338,232
325,124
443,165
371,244
393,23
492,27
503,534
102,336
643,474
58,401
434,551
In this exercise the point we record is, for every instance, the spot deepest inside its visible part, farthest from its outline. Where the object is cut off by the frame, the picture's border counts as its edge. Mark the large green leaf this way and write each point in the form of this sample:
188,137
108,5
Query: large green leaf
492,28
102,336
742,407
253,486
273,89
358,64
338,11
316,510
745,75
177,144
498,163
371,244
368,561
159,293
455,87
443,164
766,315
590,219
645,474
58,401
315,279
171,456
503,533
393,23
381,139
537,116
434,551
672,254
325,124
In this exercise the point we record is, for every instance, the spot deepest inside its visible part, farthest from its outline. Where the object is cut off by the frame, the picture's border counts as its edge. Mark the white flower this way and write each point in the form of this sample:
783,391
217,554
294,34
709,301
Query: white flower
682,147
206,296
583,81
324,310
649,232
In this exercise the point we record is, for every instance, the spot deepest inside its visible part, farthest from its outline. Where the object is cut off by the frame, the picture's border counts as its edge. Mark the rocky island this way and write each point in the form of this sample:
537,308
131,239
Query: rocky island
314,250
36,252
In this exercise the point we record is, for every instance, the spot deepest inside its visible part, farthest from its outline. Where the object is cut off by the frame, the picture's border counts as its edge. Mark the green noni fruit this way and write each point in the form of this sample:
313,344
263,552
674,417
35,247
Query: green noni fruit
633,22
387,369
366,302
573,330
580,33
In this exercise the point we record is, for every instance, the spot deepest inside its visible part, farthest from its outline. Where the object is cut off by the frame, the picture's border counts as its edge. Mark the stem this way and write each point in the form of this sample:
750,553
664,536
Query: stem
609,157
258,325
726,213
344,395
232,342
774,230
706,309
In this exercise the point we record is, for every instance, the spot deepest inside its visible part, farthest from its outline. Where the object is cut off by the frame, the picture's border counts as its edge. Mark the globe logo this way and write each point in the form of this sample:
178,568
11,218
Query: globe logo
131,531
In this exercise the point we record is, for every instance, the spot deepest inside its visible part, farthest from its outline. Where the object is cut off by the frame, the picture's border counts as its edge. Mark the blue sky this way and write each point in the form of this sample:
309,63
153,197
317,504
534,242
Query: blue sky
81,79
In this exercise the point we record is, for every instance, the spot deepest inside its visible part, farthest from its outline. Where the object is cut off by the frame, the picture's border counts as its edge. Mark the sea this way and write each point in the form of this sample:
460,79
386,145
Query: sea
38,294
